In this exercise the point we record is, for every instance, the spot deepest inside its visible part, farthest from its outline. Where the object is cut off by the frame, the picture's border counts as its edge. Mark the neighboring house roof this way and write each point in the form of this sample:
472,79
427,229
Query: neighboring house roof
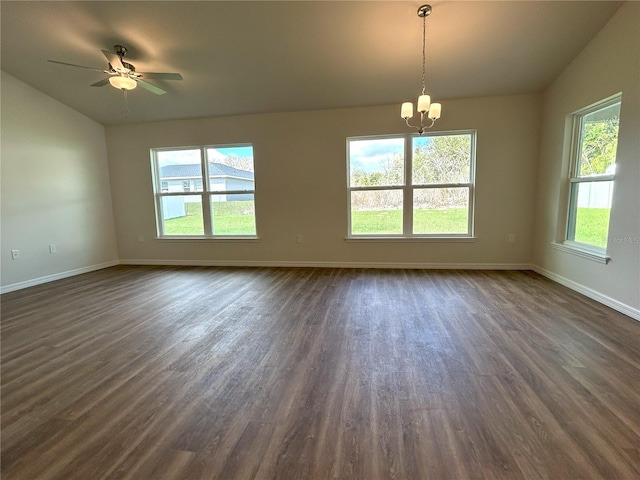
193,170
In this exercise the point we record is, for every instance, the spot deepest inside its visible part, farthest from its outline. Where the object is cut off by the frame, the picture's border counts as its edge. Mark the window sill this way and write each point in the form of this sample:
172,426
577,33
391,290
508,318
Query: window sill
389,239
179,239
583,252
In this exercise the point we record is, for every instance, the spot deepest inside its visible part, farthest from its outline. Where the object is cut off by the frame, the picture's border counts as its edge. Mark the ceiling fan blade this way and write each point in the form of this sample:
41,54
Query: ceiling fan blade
151,88
161,76
101,83
114,60
74,65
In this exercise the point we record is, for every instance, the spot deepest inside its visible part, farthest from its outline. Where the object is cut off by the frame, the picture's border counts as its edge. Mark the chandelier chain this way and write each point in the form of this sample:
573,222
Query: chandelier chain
424,43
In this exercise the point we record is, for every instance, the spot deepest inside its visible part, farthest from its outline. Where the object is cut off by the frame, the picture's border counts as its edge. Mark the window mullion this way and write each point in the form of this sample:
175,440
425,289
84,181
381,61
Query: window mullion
407,200
205,197
575,172
157,186
593,178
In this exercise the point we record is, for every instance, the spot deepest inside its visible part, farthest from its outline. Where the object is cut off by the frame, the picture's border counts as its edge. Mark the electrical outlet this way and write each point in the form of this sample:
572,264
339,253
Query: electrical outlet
52,248
298,238
15,254
140,238
511,238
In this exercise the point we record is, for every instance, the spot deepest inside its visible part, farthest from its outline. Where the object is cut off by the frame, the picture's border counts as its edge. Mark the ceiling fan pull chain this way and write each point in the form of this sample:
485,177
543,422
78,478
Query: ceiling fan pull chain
126,105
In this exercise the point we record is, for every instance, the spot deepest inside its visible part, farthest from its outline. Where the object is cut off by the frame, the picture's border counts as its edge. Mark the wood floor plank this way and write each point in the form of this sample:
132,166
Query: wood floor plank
160,373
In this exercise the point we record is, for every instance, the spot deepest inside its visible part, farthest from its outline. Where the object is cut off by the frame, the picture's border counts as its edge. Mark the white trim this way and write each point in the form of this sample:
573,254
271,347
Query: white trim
607,177
605,300
587,253
328,264
589,292
219,238
414,238
599,297
56,276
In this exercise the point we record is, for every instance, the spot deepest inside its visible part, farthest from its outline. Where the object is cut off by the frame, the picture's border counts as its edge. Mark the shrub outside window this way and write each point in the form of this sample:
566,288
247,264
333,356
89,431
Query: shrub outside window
411,186
204,191
591,179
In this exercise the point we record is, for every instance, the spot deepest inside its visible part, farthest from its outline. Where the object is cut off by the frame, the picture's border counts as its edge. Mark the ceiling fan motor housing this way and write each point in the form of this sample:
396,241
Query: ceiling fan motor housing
128,66
120,50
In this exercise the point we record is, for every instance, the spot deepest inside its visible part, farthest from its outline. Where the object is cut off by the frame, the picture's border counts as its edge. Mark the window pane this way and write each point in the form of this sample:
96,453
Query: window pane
599,141
377,162
376,212
441,159
182,215
231,168
233,214
441,210
591,207
180,170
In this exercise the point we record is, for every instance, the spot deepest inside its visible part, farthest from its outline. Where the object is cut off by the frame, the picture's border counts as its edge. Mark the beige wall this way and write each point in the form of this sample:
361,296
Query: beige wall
608,65
301,185
54,189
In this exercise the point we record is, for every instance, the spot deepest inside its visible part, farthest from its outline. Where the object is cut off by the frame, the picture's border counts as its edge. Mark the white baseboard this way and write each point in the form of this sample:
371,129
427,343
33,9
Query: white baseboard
296,264
597,296
56,276
589,292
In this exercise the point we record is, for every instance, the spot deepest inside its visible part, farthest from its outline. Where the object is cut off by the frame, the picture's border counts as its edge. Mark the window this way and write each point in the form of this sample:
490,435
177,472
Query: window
593,152
204,191
411,186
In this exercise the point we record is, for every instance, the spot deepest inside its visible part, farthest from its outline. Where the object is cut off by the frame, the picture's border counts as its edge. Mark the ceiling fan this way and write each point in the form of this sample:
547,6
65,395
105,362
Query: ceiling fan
123,75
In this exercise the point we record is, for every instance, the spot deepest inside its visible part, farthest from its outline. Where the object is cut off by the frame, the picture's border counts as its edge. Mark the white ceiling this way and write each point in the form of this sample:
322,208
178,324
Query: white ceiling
251,57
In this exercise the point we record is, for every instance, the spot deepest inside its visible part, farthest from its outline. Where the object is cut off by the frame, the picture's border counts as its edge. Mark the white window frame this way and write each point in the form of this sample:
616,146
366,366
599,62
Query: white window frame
407,188
586,250
205,195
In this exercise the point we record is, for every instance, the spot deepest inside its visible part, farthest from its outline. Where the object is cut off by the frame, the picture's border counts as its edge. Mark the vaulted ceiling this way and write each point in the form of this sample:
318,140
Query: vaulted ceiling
253,57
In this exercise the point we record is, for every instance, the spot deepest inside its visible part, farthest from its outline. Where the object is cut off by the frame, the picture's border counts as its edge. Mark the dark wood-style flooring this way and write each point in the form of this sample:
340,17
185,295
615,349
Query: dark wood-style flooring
258,373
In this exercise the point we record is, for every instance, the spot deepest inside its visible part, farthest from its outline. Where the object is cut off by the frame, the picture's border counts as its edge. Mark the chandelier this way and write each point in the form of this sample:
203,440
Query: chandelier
426,109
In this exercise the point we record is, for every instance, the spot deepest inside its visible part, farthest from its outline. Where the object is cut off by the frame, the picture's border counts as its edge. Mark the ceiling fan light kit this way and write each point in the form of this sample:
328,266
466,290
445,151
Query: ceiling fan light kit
426,109
123,82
